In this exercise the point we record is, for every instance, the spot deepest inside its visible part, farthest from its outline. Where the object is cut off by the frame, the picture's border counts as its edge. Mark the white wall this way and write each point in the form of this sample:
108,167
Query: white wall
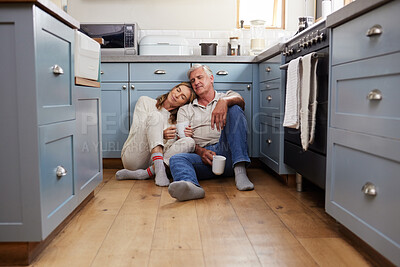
175,14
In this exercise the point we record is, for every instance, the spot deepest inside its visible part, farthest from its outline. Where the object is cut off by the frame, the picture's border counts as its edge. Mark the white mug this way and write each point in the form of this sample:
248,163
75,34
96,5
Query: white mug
180,128
218,164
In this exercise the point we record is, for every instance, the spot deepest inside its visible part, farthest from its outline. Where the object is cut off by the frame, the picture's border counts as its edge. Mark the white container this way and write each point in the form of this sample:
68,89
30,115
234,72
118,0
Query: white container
86,56
156,45
326,8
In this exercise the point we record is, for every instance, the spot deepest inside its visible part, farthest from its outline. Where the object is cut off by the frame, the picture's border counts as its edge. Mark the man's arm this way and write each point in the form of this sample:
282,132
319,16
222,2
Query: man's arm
205,154
218,116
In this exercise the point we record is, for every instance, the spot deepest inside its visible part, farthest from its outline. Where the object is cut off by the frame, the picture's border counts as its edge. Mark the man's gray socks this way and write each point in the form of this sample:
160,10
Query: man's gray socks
161,176
242,181
184,190
139,174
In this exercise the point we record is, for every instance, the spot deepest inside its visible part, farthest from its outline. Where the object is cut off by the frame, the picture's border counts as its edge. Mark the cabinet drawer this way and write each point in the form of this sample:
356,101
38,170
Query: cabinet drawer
114,72
350,42
154,72
269,141
57,189
54,51
354,162
232,72
269,71
353,82
270,97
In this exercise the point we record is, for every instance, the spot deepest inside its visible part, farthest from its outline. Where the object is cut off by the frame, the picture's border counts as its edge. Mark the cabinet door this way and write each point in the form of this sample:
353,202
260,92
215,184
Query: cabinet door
58,198
232,72
55,72
114,118
88,156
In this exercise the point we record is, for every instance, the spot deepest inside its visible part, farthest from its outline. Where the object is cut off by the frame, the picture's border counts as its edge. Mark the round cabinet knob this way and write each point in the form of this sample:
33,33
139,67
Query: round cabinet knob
375,94
61,171
132,87
101,72
374,30
57,70
269,98
269,141
248,87
268,69
369,189
124,87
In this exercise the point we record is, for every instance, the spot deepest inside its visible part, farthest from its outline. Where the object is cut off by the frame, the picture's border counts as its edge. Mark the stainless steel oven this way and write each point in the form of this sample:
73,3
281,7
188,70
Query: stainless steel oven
311,163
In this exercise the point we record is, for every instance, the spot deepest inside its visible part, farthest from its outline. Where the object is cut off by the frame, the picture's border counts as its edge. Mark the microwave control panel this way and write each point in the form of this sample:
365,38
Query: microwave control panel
129,35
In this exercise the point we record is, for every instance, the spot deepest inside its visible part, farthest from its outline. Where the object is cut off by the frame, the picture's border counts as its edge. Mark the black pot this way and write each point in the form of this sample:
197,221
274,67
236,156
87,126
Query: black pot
209,49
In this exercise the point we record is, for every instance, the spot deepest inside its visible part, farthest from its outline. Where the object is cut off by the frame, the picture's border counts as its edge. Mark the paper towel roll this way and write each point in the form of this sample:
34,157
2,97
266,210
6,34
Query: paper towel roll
326,8
337,4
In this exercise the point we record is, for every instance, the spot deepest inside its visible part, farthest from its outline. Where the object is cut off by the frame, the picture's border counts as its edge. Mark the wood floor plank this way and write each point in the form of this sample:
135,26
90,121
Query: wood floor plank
272,241
177,226
333,252
128,242
224,240
299,219
176,258
78,243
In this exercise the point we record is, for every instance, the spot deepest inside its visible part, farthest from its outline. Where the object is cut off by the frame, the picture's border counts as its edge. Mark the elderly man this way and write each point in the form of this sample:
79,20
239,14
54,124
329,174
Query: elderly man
219,128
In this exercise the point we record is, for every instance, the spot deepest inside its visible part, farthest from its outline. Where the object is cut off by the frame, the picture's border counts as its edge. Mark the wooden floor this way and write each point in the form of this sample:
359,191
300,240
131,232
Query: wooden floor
136,223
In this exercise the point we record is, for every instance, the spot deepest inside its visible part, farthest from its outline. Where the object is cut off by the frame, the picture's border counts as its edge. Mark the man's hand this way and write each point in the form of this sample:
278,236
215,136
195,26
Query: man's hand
205,154
218,116
169,133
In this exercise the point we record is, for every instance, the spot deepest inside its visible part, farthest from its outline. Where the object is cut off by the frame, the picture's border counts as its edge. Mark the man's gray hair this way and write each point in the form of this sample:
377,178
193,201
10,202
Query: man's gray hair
206,69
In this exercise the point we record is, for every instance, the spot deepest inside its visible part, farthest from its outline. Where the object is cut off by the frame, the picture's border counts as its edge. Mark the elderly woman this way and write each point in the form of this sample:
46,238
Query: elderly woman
152,138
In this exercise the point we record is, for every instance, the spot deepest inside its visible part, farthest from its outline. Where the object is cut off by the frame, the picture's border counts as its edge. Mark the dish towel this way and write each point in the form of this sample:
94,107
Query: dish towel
292,101
308,100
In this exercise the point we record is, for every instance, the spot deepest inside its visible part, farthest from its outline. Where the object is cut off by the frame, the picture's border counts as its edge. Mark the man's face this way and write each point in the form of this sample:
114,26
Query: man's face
201,82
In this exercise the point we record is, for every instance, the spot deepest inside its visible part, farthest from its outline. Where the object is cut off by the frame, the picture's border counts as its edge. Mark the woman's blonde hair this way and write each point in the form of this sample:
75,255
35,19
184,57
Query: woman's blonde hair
173,113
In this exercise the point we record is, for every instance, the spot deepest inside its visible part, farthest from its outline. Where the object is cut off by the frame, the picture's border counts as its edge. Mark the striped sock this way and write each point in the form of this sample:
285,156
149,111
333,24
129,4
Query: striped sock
161,176
139,174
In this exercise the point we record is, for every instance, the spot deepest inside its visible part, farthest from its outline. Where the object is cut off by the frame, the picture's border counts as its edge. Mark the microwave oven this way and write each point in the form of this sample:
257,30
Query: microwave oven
119,39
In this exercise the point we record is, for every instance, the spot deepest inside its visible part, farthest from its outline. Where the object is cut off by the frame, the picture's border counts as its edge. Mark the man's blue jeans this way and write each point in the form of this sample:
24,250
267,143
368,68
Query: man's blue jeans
232,144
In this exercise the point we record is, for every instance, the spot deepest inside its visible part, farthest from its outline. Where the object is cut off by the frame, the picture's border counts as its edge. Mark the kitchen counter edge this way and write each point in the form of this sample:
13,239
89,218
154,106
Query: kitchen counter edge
352,10
50,8
270,52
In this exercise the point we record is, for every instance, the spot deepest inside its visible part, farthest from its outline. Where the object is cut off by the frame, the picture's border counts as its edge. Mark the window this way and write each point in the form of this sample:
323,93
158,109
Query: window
272,11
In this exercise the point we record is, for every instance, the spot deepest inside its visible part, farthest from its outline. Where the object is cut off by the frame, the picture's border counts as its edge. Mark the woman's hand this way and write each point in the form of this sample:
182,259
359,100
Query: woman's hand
170,133
188,131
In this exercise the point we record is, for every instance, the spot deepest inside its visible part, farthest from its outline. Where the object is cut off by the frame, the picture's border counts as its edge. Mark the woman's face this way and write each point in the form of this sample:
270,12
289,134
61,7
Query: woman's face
179,96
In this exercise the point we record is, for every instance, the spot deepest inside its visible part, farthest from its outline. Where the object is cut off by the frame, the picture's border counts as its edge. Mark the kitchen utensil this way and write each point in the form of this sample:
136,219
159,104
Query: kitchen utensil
208,49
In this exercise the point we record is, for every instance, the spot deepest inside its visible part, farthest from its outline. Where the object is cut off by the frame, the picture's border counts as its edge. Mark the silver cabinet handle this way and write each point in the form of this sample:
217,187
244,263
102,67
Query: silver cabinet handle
374,95
61,171
268,69
132,87
57,70
124,87
160,72
374,30
269,141
101,72
269,98
248,87
222,72
369,189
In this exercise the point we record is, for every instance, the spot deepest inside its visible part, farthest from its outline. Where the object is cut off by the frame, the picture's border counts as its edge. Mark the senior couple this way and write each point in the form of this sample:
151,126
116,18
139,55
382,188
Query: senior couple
217,127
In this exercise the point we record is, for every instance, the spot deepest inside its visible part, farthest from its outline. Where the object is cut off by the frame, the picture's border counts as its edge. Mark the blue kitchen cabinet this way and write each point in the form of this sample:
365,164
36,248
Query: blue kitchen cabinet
38,188
87,147
269,110
363,156
239,78
114,108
